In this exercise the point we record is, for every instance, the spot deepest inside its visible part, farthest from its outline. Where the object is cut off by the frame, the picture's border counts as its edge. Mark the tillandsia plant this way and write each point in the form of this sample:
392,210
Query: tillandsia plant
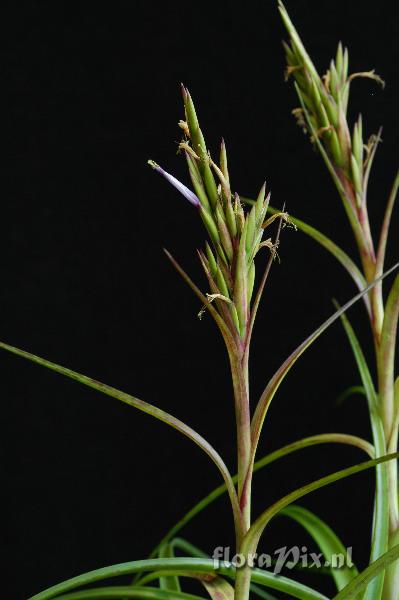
236,239
349,157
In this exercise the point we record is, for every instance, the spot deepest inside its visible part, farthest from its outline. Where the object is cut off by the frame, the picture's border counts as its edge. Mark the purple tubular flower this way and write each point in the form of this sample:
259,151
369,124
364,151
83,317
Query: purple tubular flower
191,197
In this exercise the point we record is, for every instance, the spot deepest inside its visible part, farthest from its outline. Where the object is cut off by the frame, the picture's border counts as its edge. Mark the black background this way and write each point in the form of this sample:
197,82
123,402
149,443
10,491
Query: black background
93,92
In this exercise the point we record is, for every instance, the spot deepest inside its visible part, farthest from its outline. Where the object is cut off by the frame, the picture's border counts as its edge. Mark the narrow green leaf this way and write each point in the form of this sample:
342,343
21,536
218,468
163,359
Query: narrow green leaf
326,438
189,548
357,585
387,350
350,391
168,583
227,335
191,567
192,550
341,256
146,408
328,542
379,542
119,592
252,537
274,383
385,226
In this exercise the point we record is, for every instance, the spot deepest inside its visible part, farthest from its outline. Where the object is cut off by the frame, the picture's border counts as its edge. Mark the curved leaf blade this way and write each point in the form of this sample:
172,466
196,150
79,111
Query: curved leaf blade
387,352
192,550
340,255
148,409
324,438
119,592
380,535
252,537
328,542
358,585
274,383
354,390
183,567
171,583
382,244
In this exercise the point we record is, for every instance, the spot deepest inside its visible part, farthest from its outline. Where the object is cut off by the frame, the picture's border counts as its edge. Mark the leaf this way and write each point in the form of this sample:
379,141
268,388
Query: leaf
118,592
360,582
274,383
385,227
217,588
227,335
342,257
325,438
172,582
350,391
386,353
148,409
379,543
326,539
252,537
192,550
189,548
184,567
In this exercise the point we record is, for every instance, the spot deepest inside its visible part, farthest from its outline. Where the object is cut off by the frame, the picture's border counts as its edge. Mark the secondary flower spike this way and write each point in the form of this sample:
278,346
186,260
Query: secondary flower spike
191,197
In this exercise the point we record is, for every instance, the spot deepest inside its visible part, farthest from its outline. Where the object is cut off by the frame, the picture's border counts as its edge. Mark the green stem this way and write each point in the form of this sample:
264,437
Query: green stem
243,582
